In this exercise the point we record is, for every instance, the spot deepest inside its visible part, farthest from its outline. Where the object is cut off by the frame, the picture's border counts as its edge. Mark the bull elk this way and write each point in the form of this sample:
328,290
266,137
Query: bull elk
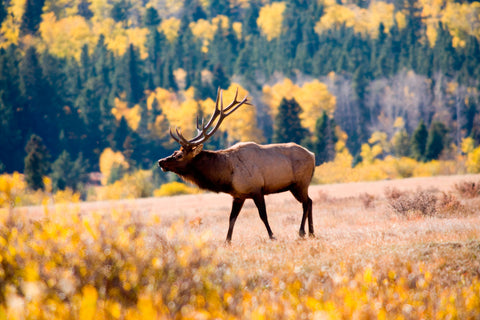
246,170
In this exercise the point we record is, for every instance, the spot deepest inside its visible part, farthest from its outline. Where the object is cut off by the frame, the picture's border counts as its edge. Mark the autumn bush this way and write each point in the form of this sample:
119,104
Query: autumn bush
424,203
174,188
468,189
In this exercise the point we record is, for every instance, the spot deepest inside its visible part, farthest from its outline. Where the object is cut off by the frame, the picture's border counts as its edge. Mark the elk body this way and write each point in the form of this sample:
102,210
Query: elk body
246,170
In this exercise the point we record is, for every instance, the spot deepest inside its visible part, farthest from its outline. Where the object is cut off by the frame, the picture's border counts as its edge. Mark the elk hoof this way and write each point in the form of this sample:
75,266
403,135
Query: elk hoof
272,237
301,233
311,235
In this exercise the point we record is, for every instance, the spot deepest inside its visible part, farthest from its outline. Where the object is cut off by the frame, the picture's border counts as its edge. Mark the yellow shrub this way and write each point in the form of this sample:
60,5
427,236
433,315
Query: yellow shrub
11,188
174,188
435,168
473,161
66,196
131,186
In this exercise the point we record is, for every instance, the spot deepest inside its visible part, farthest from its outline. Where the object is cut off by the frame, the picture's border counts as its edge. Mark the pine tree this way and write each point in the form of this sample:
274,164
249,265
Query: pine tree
134,85
39,113
324,139
67,173
419,141
436,140
401,143
288,127
36,163
151,19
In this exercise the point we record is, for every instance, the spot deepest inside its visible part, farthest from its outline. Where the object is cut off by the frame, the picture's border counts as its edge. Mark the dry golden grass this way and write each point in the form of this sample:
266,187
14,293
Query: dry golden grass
367,260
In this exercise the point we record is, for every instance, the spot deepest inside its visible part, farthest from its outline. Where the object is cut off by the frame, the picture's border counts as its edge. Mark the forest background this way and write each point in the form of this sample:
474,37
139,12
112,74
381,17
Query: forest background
94,85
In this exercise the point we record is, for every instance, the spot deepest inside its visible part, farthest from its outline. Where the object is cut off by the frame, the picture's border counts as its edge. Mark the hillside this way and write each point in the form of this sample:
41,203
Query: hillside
115,75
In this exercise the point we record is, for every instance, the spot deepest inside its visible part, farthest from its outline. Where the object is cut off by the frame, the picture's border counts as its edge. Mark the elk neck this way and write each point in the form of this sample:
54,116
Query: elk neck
211,170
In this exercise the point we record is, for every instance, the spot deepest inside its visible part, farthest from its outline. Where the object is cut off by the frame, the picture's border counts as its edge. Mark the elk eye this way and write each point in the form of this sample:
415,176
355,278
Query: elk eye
179,157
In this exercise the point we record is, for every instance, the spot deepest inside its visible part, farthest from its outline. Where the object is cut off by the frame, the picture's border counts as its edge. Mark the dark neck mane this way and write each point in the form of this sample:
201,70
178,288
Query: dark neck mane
210,170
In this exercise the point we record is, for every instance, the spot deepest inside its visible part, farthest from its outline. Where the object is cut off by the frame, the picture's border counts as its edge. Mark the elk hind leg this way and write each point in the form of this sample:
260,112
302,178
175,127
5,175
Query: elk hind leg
301,194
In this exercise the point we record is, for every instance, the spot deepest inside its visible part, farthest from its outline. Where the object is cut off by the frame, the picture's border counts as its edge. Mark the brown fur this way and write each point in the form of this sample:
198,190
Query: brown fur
248,170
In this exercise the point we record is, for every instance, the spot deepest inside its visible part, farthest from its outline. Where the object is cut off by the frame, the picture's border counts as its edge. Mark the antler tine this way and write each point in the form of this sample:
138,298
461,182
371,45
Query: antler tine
219,114
173,136
244,101
184,142
233,102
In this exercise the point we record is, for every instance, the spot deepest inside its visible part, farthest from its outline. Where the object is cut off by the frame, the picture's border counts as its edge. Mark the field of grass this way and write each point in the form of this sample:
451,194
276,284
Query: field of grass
399,249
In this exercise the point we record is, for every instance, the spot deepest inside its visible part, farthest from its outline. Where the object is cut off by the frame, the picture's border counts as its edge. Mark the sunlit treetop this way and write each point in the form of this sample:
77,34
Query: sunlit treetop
270,19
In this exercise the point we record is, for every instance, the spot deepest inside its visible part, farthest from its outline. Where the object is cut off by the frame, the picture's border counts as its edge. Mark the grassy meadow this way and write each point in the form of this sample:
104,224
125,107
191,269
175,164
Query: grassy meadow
393,249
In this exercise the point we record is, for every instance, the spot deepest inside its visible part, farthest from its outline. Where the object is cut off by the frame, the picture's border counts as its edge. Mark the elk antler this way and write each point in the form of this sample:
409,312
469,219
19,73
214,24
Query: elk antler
204,130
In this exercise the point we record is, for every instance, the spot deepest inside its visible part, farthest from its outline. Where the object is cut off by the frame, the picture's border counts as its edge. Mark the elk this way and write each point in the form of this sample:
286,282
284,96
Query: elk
246,170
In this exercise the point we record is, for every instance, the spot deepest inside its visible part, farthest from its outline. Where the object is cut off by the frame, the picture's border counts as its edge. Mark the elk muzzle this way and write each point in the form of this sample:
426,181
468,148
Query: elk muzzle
162,164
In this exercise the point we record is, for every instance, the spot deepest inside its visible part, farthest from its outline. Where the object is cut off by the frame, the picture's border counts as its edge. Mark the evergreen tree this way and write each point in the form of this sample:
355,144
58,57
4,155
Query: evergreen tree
436,140
419,141
84,9
151,19
401,144
67,173
324,139
39,113
119,12
3,11
11,136
288,127
36,163
134,85
32,17
220,80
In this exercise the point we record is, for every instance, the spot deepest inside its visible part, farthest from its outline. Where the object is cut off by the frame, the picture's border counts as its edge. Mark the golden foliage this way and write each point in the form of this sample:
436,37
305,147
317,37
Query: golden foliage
130,186
66,37
472,162
364,21
10,28
170,28
313,97
174,188
462,19
270,19
204,31
11,188
110,159
131,115
242,124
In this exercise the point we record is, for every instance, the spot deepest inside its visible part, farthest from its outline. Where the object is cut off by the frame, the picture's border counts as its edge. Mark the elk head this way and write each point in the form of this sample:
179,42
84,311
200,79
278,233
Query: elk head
180,159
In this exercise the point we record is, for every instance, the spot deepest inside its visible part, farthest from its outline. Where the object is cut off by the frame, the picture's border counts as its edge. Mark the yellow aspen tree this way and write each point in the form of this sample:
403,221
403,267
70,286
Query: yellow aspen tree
334,17
270,19
108,160
242,124
10,29
65,37
273,95
131,115
314,98
204,31
170,28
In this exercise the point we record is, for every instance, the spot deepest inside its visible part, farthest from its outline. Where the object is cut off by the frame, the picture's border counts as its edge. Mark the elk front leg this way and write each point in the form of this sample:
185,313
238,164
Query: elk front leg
236,207
262,210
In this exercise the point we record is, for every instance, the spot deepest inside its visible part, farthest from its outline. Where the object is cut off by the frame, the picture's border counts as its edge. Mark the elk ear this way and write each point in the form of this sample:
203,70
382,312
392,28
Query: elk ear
197,150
